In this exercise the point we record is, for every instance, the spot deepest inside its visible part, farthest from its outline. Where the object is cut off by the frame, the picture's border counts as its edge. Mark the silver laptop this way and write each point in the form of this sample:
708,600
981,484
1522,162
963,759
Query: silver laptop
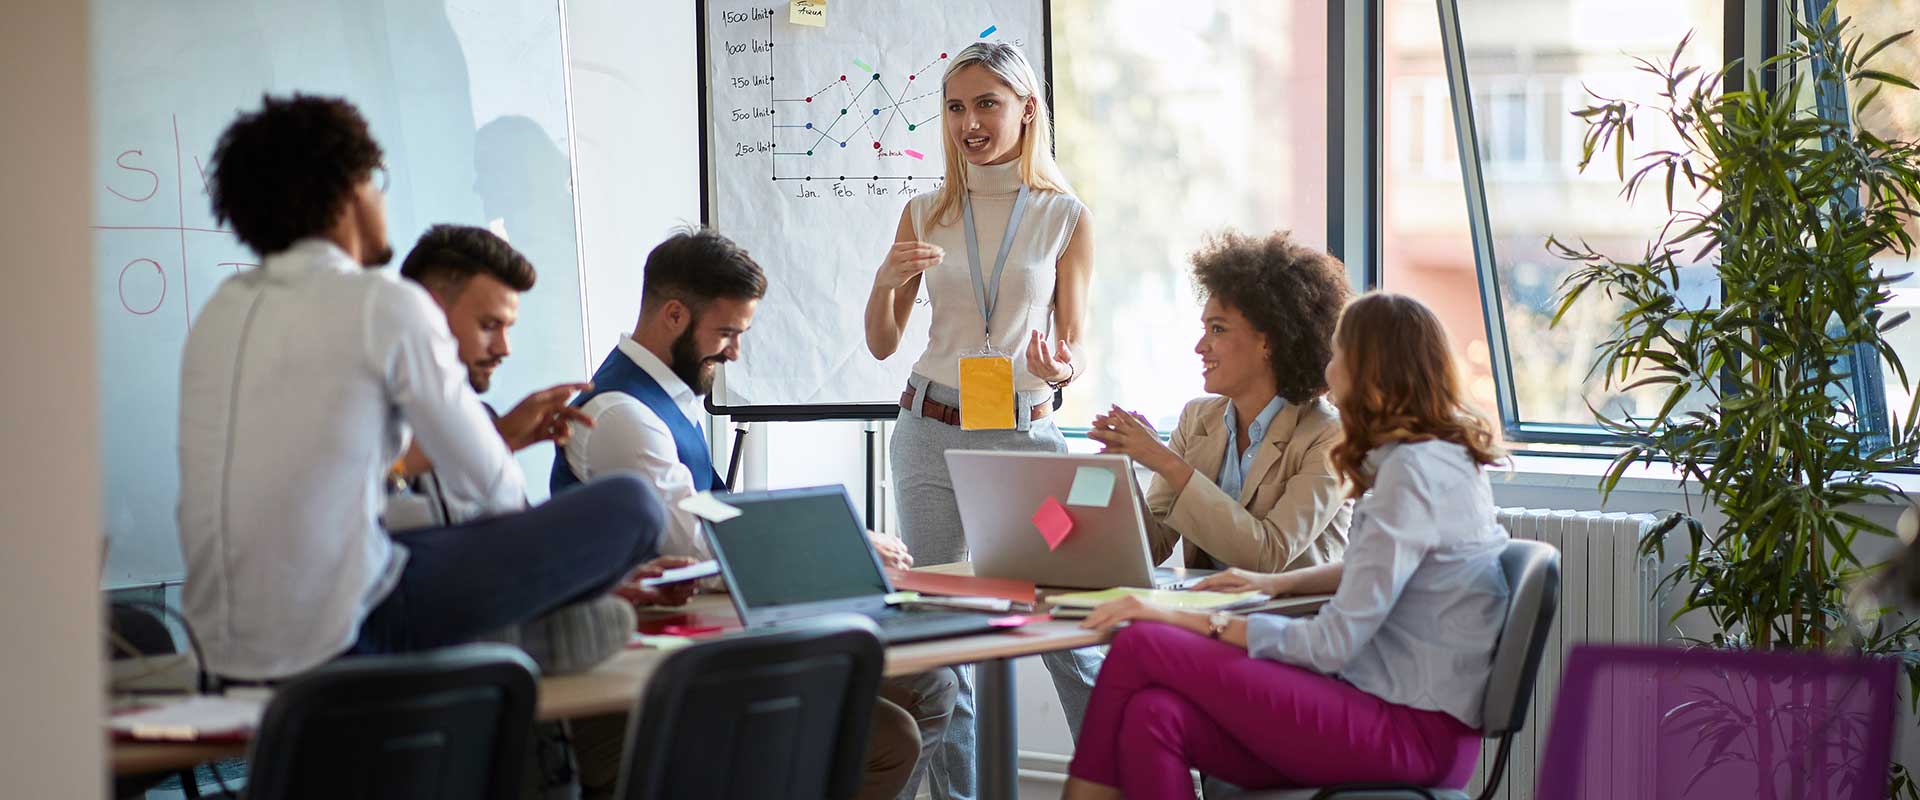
798,553
999,492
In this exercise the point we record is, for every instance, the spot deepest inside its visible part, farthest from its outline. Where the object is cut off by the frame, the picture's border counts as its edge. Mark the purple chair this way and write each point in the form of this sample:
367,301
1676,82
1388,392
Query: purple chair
1672,723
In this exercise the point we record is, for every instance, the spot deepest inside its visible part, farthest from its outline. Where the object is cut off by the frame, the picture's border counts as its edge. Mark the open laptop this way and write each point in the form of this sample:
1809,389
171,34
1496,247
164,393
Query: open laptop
999,492
799,553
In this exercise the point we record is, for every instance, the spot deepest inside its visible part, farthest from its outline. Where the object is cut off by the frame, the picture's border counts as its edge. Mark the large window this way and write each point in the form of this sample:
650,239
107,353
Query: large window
1527,65
1425,249
1177,120
1896,115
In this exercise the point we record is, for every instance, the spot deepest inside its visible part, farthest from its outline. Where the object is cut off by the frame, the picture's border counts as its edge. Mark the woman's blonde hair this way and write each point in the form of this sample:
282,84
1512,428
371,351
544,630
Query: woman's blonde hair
1402,386
1037,168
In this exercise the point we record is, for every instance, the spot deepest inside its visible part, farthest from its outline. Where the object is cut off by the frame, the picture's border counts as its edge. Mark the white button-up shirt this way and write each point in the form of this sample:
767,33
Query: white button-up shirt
1421,598
627,436
297,382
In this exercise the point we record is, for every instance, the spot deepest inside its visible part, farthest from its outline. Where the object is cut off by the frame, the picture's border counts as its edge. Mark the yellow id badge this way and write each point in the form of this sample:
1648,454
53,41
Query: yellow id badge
986,393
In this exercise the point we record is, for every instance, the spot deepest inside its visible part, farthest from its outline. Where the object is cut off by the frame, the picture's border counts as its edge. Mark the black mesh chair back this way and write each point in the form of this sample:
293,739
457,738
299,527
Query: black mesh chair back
447,724
780,714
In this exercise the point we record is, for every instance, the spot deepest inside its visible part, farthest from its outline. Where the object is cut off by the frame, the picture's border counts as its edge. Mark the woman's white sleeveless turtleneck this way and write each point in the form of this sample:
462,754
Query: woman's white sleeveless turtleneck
1026,287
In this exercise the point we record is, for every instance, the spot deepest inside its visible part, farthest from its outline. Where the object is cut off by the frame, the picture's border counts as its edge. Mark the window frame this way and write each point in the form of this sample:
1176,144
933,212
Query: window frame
1750,26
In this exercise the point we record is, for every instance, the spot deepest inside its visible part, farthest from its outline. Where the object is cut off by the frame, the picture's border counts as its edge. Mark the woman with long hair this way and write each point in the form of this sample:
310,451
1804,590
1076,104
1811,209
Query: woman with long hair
1005,252
1385,683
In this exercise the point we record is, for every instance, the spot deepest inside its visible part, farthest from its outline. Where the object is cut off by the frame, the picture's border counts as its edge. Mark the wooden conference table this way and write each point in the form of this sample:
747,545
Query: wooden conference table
616,684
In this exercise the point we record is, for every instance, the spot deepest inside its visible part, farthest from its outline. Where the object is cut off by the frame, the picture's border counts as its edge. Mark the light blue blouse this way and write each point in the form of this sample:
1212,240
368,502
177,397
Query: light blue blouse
1422,597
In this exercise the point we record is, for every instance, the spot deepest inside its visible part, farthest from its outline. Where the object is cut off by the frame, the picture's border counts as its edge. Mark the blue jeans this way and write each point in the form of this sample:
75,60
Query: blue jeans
465,581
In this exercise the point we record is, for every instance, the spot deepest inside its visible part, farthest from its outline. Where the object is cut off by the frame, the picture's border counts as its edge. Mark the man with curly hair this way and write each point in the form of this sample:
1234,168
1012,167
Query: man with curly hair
299,382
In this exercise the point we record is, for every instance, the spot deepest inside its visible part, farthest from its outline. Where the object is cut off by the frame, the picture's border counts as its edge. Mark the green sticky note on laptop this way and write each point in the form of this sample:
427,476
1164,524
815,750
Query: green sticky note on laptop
1092,486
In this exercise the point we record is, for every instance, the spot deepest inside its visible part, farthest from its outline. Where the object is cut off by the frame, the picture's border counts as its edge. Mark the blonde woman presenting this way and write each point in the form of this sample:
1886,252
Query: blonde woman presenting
1005,252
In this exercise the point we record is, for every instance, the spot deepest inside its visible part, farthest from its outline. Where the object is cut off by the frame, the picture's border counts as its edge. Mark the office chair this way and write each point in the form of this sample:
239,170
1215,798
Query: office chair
1666,722
779,714
449,724
1533,578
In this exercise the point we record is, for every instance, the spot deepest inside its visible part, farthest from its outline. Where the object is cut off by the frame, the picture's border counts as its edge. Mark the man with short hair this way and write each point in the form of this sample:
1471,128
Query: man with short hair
299,381
477,278
698,296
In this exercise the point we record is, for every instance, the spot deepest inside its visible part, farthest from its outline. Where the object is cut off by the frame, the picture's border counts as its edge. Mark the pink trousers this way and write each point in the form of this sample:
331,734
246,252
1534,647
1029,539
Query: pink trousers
1169,699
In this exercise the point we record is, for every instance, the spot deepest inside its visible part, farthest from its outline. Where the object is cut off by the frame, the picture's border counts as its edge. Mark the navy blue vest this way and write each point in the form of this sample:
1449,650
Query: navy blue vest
619,374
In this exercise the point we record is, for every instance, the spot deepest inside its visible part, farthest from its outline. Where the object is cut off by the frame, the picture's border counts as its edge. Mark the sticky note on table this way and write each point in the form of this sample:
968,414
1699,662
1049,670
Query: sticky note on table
705,506
812,13
986,393
1054,522
1092,486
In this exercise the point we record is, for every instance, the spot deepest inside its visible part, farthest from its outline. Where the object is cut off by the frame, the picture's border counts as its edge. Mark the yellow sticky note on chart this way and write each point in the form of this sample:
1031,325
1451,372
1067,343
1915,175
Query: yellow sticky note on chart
812,13
986,393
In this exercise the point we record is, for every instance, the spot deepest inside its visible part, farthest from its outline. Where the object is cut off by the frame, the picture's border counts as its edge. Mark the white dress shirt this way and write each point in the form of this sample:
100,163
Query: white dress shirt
1421,598
627,436
297,382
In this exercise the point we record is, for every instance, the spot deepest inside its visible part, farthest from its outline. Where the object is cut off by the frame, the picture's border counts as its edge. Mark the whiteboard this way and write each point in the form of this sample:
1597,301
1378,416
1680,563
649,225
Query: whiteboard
816,137
469,101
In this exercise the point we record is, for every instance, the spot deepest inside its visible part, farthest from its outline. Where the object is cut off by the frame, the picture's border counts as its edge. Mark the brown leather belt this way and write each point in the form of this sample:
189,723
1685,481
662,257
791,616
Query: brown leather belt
935,410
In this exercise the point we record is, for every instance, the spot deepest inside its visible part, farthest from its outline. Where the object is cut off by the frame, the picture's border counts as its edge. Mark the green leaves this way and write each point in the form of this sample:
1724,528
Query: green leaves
1756,409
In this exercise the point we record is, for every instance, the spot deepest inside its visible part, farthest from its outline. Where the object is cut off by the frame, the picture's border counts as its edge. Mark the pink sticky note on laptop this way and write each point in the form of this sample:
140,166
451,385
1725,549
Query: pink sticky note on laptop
1053,522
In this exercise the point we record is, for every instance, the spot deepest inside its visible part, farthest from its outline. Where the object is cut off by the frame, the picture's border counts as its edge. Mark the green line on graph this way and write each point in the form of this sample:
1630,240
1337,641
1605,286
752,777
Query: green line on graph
862,65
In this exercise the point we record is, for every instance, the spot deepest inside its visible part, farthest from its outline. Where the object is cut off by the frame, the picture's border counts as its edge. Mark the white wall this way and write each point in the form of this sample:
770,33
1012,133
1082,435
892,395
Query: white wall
636,140
50,544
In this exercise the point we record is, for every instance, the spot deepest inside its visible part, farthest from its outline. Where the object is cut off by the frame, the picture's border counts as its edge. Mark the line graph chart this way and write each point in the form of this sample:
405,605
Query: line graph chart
817,140
870,118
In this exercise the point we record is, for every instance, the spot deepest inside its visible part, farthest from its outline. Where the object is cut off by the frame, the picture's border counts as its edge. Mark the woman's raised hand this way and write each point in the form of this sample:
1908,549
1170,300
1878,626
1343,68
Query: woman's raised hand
905,261
1052,363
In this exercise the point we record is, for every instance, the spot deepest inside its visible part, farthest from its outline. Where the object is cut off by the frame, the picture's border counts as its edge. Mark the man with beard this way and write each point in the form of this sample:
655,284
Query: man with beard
477,279
698,296
300,380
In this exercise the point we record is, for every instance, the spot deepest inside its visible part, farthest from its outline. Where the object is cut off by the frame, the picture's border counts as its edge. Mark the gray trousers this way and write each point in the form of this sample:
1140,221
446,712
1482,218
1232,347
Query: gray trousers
930,525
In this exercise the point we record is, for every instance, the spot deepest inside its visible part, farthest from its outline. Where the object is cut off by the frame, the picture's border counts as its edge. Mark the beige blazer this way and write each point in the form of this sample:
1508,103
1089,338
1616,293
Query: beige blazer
1292,511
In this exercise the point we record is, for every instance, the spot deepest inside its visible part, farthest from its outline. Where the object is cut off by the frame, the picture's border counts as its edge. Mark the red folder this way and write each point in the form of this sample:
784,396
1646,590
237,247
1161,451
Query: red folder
961,585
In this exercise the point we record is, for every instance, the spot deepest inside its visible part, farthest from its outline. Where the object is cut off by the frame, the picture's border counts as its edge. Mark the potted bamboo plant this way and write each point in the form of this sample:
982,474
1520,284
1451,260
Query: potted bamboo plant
1788,202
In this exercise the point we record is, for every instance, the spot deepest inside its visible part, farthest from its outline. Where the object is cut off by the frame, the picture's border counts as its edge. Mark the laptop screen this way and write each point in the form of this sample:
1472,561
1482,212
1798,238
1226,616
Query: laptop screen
796,546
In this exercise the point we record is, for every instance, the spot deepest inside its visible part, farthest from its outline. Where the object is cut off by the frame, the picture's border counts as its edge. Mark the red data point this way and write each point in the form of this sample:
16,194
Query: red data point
843,77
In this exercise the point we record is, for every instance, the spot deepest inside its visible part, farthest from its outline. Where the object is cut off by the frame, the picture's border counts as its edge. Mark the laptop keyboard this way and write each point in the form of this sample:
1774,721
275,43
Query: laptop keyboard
1164,578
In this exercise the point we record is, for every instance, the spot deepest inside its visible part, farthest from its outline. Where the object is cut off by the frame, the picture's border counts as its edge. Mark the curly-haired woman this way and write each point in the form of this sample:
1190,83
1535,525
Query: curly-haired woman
1385,683
1246,478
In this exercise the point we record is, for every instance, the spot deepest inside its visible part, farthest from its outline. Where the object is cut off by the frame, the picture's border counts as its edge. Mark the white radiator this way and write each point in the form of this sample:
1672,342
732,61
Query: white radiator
1606,595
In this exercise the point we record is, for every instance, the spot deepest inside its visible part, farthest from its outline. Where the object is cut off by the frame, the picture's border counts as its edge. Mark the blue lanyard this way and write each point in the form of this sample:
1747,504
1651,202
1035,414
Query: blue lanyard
988,296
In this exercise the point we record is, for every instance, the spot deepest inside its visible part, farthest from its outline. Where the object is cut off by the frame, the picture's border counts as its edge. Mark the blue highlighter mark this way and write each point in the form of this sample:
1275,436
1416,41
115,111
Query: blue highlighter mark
989,31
